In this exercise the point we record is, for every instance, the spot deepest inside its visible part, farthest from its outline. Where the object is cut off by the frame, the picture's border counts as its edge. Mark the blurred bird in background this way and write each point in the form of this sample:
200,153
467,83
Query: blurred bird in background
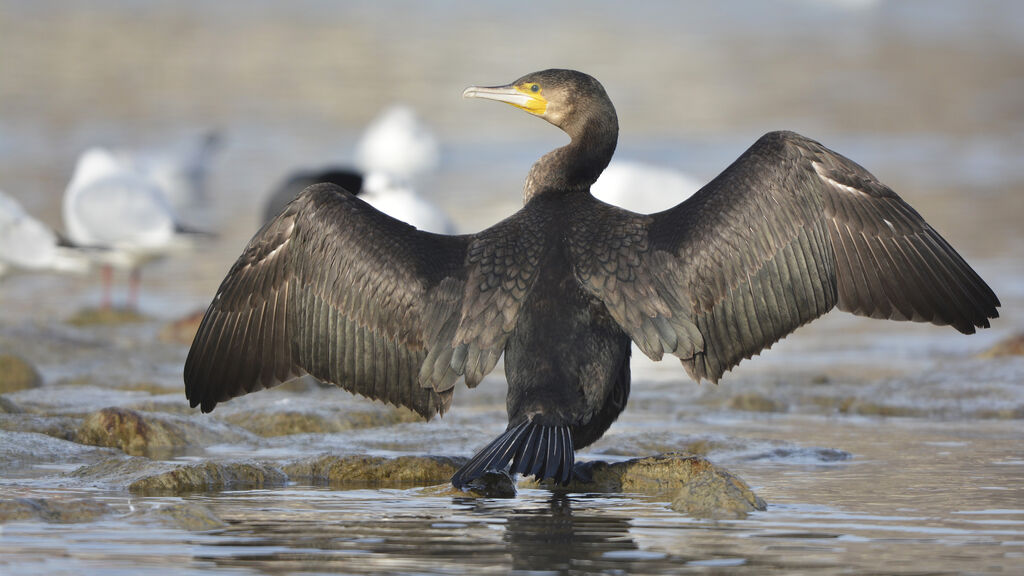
396,150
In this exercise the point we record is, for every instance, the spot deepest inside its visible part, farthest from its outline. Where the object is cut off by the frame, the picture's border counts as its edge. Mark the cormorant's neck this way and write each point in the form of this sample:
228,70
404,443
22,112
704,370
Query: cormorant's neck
575,166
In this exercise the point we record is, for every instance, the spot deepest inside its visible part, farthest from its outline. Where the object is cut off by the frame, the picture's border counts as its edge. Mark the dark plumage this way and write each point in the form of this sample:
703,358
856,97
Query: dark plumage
790,230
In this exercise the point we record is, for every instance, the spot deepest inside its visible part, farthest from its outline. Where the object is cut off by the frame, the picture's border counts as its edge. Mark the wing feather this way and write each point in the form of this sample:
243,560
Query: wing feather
787,232
336,289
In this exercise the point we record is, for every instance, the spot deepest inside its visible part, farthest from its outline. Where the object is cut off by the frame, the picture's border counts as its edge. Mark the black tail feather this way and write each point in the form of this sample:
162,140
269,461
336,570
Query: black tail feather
526,448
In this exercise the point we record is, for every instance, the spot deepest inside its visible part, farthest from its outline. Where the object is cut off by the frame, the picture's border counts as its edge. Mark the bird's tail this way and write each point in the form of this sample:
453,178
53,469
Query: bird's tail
532,449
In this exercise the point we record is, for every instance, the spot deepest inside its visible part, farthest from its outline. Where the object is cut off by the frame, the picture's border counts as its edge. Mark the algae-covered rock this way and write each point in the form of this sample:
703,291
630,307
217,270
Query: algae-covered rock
63,427
131,431
58,510
403,471
106,317
152,434
8,406
211,476
119,471
286,422
17,374
1012,346
142,475
187,516
754,402
691,484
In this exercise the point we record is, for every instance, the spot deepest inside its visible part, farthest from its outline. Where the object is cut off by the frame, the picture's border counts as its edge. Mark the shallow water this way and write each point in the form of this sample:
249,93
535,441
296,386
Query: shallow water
879,447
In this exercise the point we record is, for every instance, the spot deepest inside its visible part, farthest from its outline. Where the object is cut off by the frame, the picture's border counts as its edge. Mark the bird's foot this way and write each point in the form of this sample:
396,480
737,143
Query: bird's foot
493,484
583,472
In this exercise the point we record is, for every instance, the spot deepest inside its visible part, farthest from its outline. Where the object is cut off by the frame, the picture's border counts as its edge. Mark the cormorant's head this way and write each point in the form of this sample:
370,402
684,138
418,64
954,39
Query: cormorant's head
565,98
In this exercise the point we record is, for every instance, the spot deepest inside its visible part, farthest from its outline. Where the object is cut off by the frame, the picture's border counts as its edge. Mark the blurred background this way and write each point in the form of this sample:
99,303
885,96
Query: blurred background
880,447
928,95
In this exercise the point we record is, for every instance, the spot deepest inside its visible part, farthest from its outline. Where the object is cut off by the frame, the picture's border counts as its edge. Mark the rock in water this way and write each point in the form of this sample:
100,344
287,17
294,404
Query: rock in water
211,476
58,510
130,431
17,374
1011,346
692,485
145,476
152,434
404,471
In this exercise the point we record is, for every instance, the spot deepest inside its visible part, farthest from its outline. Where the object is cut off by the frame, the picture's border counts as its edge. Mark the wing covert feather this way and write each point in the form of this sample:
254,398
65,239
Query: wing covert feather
784,234
336,289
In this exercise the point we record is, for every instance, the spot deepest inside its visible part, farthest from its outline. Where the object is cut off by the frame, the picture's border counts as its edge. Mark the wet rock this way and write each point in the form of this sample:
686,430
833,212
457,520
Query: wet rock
142,475
150,434
58,510
691,484
1012,346
211,476
362,470
8,406
63,427
106,317
20,450
130,431
118,471
754,402
661,443
859,406
187,516
287,422
17,374
183,330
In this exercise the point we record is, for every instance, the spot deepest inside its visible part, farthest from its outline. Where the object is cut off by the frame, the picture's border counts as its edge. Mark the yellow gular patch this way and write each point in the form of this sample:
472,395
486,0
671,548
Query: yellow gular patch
535,102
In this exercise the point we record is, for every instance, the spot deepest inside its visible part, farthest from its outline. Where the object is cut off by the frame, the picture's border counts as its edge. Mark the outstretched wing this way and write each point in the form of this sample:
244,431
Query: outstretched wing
336,289
783,235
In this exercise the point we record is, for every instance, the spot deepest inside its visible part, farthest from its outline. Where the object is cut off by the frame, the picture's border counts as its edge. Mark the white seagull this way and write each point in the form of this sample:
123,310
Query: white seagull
29,245
182,172
643,188
395,150
109,204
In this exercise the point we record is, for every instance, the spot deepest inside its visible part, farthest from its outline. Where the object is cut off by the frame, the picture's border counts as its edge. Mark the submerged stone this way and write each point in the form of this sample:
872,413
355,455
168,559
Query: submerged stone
17,374
754,402
287,422
58,510
187,516
692,485
63,427
403,471
19,451
8,406
142,475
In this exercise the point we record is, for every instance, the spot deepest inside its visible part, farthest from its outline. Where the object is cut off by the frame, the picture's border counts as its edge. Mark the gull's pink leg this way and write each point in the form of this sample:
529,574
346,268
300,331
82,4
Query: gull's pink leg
133,288
108,279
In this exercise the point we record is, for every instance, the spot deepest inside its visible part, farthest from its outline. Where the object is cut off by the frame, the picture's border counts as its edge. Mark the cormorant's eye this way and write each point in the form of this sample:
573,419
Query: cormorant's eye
534,88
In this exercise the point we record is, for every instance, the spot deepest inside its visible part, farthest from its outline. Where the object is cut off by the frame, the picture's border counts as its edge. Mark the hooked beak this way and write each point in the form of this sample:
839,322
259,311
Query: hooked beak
533,103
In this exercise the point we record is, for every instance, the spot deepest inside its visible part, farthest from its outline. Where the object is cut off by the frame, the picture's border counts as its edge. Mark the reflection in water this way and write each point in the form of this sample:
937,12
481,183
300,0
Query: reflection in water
553,538
527,535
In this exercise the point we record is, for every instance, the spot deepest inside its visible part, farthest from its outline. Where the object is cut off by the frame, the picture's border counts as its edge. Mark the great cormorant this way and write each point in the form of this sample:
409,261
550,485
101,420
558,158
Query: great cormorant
790,230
